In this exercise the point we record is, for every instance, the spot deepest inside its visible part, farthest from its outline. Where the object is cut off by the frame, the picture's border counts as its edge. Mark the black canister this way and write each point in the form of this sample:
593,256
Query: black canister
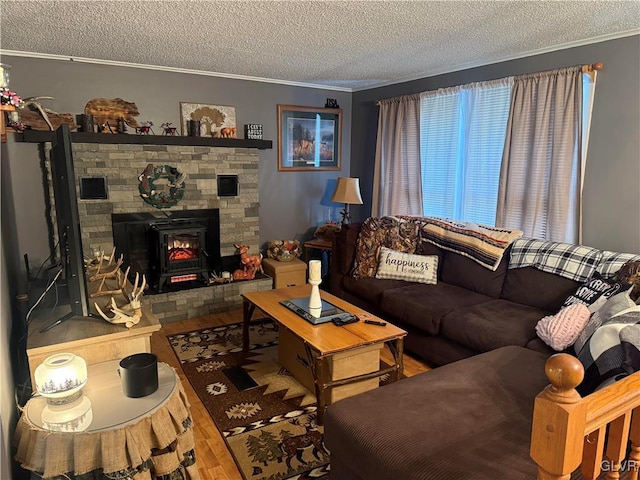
193,128
85,122
139,374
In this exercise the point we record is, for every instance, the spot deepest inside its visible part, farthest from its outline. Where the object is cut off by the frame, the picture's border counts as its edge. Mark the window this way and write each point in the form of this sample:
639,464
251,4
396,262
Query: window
462,134
505,153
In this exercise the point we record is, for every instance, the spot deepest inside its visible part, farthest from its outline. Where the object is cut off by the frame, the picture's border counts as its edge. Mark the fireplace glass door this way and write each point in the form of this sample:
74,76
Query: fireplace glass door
181,254
182,250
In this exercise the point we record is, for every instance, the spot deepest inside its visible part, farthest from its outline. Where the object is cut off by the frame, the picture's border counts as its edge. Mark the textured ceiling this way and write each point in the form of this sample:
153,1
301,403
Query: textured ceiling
351,45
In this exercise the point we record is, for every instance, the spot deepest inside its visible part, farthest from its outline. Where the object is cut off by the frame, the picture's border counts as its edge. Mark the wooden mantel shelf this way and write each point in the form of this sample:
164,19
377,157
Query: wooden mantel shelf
38,136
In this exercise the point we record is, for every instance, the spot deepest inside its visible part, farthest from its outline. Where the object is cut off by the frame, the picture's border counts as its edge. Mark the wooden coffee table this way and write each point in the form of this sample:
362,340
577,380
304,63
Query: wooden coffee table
335,361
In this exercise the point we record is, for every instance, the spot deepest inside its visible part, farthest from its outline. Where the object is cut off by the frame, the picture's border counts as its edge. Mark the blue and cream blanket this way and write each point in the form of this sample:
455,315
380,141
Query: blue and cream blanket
483,244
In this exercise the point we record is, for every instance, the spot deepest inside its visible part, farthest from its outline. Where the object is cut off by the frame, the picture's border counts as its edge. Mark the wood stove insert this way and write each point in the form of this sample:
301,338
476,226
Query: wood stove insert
176,250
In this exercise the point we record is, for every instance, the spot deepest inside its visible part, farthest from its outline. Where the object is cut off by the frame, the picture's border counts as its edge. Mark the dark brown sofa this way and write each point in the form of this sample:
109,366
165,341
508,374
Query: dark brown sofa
488,417
470,310
482,418
466,420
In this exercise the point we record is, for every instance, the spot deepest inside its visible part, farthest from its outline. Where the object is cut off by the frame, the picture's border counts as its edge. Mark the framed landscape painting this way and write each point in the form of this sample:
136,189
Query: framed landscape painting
309,138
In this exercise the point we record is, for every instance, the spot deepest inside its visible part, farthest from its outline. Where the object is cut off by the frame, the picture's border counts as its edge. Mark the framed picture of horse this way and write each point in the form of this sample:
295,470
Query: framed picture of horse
309,138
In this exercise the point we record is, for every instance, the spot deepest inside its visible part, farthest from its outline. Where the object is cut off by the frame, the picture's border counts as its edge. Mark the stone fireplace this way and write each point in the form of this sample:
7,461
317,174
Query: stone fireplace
121,164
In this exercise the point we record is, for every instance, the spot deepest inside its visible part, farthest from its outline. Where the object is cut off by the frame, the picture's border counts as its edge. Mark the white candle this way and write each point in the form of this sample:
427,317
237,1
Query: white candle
315,266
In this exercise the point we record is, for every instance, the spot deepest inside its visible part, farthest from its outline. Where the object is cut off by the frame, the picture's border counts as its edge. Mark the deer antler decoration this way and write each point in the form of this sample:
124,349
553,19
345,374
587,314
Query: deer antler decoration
121,280
136,293
109,274
120,316
133,312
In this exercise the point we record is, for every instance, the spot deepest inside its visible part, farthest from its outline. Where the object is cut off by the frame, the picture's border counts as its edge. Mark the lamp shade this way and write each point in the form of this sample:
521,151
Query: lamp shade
60,377
347,191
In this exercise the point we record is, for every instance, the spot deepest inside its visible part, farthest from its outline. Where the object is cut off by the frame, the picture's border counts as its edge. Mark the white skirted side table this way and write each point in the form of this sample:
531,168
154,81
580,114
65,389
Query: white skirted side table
119,437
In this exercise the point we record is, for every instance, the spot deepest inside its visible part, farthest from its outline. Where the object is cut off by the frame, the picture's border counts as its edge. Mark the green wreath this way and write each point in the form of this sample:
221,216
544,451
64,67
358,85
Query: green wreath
161,198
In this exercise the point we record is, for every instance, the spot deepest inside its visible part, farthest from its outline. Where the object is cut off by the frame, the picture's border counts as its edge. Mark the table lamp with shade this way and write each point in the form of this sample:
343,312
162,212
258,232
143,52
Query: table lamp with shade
347,192
60,380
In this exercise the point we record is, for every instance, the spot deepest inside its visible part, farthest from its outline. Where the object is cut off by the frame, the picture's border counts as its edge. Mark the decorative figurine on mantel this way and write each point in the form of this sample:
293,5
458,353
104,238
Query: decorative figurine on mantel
122,126
251,264
169,129
145,128
110,110
37,117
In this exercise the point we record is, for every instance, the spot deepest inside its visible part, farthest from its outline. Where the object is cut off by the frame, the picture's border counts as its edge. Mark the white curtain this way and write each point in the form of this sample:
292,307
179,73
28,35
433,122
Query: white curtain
397,189
541,173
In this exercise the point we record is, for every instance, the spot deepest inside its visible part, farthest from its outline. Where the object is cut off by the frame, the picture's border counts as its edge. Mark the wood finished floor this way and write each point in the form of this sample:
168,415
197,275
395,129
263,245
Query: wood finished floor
213,458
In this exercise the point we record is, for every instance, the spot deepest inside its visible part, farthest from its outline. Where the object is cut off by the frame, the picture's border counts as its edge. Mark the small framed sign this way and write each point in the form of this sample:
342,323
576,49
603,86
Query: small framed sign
253,131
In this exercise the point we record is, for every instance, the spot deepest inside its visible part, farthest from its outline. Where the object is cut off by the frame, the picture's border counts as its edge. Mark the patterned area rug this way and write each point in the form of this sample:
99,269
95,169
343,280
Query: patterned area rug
266,417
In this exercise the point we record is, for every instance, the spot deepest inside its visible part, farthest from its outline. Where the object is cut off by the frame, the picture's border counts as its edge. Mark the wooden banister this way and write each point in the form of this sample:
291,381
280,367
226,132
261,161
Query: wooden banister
617,444
559,417
570,431
634,437
593,451
607,404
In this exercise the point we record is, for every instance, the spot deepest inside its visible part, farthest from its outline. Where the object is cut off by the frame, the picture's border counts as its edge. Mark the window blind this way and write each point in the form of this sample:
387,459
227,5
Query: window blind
462,135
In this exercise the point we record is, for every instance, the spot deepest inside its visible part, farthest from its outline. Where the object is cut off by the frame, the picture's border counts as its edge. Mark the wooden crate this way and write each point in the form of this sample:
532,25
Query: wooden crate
285,274
358,361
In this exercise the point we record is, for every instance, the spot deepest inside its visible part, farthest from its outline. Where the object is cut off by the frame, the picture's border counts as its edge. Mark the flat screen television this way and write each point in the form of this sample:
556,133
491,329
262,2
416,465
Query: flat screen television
68,225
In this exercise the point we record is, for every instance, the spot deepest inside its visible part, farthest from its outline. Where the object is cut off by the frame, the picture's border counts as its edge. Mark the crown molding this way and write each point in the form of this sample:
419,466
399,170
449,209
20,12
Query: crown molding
187,71
431,73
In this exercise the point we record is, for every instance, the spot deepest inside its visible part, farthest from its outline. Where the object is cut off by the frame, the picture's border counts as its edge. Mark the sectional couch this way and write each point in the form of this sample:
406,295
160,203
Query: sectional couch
470,310
474,418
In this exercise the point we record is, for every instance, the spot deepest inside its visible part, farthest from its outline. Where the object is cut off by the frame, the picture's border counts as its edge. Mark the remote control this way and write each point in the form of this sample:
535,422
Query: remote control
344,319
375,322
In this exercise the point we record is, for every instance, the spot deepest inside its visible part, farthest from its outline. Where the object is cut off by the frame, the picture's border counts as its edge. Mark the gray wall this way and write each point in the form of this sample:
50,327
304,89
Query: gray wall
611,192
290,201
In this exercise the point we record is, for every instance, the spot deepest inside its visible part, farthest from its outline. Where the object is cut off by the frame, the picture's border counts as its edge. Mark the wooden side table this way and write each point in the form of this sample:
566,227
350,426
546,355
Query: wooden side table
124,435
285,274
317,244
321,246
